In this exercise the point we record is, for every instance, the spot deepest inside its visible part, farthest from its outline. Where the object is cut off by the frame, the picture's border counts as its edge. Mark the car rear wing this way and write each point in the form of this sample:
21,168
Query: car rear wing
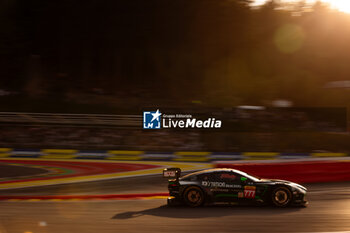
172,173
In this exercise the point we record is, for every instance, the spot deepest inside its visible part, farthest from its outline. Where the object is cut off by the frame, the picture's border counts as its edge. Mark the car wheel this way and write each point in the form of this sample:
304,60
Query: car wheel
194,196
281,196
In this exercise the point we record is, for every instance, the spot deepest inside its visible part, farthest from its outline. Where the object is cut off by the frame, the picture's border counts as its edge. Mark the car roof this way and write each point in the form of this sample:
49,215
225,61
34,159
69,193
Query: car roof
215,170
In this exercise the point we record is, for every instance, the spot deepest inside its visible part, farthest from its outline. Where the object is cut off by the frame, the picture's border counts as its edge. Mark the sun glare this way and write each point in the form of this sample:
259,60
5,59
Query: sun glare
341,5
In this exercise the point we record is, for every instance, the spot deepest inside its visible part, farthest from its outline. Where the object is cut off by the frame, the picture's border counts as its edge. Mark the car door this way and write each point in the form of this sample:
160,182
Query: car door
227,187
251,191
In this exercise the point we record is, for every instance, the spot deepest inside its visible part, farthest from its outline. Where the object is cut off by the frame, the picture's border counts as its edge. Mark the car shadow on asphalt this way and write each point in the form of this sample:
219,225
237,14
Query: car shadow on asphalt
206,212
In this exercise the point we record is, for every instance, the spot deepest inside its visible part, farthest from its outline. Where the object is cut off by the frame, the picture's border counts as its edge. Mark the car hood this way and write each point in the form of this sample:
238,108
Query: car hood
285,182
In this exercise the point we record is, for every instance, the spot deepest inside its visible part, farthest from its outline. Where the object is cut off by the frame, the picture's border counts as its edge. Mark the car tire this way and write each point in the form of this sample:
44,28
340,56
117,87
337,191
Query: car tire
281,197
193,196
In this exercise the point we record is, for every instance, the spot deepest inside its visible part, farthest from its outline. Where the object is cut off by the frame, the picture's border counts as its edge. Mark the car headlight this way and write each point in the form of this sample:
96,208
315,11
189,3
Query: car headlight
297,190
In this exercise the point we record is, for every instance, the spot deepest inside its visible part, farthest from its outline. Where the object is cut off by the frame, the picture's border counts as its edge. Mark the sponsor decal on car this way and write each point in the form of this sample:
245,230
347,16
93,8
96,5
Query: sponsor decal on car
227,176
169,173
233,186
249,191
213,184
240,194
219,184
219,190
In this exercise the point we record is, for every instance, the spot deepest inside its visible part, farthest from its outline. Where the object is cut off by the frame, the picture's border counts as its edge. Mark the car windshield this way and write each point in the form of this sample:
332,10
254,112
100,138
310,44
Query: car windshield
251,177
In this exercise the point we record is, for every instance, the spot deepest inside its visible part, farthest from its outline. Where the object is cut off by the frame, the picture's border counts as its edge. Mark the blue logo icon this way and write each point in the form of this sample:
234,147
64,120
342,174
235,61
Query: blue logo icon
151,120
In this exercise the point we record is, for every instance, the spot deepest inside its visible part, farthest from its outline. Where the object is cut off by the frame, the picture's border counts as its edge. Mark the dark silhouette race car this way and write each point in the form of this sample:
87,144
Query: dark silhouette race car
225,185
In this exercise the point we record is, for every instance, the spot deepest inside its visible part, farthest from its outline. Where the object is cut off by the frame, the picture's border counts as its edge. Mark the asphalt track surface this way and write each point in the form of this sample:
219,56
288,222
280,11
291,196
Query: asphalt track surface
329,211
140,184
14,171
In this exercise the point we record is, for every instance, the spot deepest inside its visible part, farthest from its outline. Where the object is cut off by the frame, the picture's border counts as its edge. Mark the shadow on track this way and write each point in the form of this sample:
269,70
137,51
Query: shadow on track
205,212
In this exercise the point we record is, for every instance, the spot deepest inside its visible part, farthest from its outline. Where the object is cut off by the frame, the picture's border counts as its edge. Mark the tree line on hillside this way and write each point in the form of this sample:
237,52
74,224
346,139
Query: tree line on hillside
221,52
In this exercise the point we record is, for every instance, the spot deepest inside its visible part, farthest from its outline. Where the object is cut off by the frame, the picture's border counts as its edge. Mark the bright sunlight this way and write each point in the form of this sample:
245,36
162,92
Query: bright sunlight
341,5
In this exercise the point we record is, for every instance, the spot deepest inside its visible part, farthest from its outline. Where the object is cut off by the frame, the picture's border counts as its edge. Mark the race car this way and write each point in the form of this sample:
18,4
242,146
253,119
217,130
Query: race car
226,185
